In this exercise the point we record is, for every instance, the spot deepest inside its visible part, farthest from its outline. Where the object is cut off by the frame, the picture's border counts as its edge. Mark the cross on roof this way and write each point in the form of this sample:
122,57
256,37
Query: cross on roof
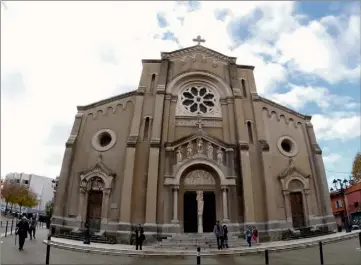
199,123
199,40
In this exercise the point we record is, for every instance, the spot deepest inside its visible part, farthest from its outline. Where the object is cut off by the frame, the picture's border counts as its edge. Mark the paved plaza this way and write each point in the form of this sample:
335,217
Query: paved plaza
343,253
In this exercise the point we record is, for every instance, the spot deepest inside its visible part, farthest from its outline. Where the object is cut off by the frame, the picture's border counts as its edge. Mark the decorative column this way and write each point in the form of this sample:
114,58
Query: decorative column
307,199
81,205
175,205
225,205
200,204
286,195
105,205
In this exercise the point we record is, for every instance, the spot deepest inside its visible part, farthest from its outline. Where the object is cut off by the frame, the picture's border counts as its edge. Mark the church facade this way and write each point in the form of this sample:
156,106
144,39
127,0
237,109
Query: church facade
193,144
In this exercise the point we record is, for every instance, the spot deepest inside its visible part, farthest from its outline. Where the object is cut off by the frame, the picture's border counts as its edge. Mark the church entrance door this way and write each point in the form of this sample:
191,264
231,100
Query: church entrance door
209,211
94,212
298,215
190,212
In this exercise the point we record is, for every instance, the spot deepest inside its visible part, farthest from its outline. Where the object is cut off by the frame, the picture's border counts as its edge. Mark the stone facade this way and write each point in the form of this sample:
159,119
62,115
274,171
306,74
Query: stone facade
195,123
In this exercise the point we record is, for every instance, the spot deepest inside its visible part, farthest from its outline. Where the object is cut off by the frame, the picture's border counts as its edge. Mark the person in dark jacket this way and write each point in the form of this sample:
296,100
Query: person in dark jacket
139,237
22,228
86,234
225,236
218,231
32,227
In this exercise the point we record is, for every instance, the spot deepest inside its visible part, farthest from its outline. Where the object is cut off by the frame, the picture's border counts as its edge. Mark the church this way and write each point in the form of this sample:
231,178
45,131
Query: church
193,144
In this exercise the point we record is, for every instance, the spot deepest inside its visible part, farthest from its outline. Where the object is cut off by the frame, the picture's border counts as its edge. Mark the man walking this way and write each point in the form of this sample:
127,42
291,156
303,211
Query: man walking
218,231
22,229
32,228
139,237
248,235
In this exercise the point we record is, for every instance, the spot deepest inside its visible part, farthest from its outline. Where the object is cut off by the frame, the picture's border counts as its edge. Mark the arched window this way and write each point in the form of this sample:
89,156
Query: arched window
146,129
250,135
151,89
244,88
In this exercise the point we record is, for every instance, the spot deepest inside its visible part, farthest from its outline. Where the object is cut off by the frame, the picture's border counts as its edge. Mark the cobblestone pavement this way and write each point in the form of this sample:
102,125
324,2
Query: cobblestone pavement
342,253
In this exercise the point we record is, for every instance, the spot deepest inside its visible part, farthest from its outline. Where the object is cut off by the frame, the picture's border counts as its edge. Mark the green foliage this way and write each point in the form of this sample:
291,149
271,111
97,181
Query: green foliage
49,208
356,167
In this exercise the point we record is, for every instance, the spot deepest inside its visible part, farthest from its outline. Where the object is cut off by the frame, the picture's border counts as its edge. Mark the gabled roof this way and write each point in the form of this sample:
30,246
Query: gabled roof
198,48
199,134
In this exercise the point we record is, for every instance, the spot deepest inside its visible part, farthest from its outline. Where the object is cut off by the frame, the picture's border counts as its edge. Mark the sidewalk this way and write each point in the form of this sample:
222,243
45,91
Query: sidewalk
128,250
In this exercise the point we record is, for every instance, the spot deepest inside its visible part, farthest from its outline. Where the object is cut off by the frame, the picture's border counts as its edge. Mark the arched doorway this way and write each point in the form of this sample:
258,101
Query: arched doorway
199,200
94,211
297,210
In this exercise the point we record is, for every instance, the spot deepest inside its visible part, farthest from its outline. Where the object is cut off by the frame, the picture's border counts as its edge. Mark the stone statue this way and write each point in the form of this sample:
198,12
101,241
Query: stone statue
179,155
219,156
200,202
200,146
189,150
210,151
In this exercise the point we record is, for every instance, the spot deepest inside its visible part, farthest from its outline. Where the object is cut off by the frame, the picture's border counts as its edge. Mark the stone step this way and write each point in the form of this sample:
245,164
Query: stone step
190,241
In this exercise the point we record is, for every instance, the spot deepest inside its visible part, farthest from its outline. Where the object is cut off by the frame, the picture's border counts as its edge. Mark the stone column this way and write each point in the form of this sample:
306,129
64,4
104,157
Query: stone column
105,206
175,205
200,204
225,205
307,199
286,195
81,205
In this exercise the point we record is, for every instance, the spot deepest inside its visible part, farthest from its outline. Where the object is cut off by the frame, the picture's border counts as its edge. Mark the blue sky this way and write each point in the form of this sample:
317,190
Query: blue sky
307,57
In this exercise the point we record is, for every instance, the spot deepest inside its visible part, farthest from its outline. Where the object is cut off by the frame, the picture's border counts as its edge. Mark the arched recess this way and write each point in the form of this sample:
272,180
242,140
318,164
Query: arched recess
199,76
98,171
296,192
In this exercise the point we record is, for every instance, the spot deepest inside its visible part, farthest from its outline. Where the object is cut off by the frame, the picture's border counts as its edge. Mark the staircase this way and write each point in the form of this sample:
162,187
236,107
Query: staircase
192,241
79,236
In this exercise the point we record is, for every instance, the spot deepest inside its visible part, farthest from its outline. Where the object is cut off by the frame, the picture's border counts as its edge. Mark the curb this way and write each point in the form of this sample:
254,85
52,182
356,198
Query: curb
230,252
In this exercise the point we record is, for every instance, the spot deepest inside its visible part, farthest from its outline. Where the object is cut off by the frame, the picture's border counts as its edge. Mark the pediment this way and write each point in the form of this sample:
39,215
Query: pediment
292,170
199,135
99,167
182,54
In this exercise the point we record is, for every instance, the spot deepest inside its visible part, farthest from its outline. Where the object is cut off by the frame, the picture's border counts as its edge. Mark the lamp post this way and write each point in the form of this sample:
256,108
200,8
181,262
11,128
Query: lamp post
340,187
54,185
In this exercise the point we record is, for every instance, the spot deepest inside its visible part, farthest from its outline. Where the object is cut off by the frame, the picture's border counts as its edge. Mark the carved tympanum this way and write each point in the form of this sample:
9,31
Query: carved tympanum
199,177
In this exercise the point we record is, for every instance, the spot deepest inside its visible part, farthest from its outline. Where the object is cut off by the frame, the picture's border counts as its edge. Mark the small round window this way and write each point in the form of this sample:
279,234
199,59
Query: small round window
287,146
103,140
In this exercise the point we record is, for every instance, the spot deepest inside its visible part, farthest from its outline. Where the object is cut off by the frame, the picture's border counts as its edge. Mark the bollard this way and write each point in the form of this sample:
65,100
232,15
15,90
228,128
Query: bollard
1,224
266,260
12,226
359,238
6,229
198,255
48,250
321,252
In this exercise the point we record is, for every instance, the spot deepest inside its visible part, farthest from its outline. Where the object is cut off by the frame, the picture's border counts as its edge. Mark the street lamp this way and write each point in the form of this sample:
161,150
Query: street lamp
340,187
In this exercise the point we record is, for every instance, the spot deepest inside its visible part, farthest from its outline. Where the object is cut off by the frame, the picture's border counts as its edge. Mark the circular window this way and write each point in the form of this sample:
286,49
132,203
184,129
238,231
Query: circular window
287,146
103,140
198,100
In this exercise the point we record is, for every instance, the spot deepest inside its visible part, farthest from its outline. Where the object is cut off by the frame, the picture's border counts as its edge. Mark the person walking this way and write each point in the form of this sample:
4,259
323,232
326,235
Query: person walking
139,237
255,234
225,236
22,228
32,227
218,231
248,235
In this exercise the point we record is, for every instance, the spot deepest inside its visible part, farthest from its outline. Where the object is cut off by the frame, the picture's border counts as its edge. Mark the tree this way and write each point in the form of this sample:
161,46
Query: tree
26,197
10,192
356,167
49,209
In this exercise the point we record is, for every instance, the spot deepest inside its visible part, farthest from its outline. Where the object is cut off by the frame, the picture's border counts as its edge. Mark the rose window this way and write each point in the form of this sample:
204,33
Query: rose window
198,100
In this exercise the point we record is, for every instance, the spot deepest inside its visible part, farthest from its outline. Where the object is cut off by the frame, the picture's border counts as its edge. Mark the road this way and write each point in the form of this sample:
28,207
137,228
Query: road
341,253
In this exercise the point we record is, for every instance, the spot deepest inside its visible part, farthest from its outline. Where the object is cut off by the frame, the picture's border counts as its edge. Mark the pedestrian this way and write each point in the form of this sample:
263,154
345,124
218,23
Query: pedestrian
139,237
32,228
22,228
248,236
218,231
255,234
86,234
225,236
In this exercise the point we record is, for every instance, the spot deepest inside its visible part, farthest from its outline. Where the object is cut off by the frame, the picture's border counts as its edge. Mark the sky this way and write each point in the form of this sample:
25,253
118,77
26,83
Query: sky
59,55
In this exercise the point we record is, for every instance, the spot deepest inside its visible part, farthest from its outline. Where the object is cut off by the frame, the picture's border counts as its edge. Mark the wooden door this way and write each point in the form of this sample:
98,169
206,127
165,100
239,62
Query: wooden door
94,213
298,214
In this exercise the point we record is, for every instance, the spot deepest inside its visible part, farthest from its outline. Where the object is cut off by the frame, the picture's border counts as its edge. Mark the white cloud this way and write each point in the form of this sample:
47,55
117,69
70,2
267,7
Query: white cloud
299,96
338,127
74,53
332,158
